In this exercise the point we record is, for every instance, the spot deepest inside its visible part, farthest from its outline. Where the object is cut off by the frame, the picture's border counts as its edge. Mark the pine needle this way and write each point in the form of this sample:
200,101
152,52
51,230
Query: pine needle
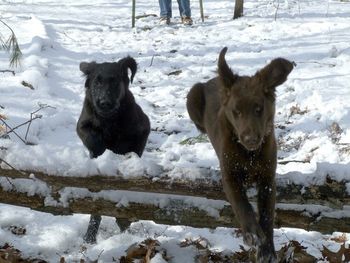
11,45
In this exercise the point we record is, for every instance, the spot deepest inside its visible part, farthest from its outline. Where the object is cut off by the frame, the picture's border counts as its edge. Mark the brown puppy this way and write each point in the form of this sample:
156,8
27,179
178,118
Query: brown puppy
237,113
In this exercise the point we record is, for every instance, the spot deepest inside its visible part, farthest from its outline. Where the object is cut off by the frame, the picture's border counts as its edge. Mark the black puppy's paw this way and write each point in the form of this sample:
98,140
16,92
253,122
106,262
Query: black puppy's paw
94,143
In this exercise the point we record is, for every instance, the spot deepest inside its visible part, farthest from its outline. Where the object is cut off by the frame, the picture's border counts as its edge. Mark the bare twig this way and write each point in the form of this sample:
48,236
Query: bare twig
33,117
8,71
9,127
150,65
9,165
277,8
292,161
41,107
2,160
145,15
9,181
22,124
316,62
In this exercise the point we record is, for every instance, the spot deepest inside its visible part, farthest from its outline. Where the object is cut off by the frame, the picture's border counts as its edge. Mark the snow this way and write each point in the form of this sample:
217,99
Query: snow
55,36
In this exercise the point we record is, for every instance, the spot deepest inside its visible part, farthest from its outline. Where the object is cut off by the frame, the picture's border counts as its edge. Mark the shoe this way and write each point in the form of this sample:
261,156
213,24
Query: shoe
187,21
164,20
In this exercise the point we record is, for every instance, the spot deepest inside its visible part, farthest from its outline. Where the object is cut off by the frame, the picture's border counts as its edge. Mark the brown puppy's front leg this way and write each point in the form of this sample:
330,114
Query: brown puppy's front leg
266,206
236,195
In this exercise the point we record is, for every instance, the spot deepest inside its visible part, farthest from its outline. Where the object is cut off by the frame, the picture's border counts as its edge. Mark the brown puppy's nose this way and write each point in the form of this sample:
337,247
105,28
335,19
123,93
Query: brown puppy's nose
251,140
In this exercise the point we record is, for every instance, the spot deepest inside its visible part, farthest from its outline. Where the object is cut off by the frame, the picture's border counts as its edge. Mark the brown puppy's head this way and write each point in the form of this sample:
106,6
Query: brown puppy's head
249,102
107,83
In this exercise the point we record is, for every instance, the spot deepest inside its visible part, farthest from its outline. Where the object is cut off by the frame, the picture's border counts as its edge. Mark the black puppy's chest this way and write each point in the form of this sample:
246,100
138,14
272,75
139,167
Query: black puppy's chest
113,130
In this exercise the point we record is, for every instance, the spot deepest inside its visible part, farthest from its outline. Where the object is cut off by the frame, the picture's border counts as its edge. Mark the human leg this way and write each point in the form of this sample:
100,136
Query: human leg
165,8
184,8
185,11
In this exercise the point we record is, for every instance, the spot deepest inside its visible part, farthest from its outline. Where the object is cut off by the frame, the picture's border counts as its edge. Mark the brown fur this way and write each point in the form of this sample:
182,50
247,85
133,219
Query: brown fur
237,113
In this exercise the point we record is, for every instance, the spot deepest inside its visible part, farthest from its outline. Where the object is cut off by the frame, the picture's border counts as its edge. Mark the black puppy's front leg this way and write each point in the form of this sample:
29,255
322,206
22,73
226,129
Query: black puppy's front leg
91,232
91,137
131,143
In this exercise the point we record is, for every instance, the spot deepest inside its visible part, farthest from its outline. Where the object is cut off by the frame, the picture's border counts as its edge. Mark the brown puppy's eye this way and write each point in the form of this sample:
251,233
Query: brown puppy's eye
258,110
236,113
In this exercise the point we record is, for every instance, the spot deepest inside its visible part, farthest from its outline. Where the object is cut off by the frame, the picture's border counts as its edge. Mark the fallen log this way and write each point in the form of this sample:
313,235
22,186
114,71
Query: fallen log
201,203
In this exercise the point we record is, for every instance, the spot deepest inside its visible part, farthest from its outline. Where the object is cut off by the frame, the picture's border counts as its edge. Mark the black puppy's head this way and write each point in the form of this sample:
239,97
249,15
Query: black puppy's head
107,83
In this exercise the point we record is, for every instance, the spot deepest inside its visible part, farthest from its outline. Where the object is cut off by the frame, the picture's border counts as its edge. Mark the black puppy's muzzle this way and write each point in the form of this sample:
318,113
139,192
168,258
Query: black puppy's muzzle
106,108
105,105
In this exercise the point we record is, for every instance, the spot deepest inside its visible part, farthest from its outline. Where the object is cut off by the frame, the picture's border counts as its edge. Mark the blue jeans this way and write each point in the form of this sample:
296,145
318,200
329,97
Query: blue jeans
165,8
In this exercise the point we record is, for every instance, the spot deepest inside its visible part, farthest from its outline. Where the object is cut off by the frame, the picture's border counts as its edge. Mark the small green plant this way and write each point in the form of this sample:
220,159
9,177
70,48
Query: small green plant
193,140
10,45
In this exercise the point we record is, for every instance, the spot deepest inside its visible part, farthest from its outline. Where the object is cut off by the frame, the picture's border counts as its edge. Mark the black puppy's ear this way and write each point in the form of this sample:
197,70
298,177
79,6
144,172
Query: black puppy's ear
87,67
226,76
130,63
274,74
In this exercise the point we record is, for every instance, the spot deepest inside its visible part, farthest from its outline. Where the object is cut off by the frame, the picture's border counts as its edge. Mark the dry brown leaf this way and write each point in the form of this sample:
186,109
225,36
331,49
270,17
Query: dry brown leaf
124,259
151,249
294,252
2,130
3,117
244,255
17,230
202,259
213,257
9,254
340,239
200,243
27,84
342,255
145,251
175,73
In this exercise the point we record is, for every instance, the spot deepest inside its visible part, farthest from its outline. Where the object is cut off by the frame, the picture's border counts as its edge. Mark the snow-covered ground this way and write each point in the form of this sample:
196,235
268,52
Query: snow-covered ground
312,120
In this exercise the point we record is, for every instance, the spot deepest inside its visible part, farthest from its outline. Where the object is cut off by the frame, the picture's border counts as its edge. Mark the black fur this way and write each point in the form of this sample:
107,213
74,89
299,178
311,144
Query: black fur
110,118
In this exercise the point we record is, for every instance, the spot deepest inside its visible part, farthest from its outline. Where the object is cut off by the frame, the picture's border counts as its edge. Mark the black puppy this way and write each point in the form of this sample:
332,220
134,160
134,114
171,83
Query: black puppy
110,118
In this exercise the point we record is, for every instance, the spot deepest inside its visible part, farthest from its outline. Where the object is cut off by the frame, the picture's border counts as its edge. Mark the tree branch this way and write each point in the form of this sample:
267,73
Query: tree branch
330,195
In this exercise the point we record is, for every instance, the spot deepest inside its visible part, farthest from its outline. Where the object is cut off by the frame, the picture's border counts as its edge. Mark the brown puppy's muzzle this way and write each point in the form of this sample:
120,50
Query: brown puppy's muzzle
250,141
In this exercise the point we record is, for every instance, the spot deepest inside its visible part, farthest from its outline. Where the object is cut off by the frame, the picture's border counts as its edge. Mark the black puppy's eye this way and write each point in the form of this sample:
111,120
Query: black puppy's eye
98,80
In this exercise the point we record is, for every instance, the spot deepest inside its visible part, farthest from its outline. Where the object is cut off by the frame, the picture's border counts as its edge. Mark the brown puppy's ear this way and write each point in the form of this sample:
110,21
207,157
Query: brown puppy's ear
226,75
274,74
130,63
87,67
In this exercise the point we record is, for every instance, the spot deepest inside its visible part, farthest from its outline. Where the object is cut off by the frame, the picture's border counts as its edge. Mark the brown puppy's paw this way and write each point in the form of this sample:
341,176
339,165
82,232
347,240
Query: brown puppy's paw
251,240
266,254
254,236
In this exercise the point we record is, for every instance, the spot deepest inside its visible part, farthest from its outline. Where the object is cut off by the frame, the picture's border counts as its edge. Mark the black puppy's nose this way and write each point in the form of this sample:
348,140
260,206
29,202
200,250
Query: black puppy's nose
104,104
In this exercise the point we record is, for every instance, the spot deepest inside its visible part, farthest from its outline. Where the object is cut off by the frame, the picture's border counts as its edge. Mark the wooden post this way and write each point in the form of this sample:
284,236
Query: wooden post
238,9
133,13
201,9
